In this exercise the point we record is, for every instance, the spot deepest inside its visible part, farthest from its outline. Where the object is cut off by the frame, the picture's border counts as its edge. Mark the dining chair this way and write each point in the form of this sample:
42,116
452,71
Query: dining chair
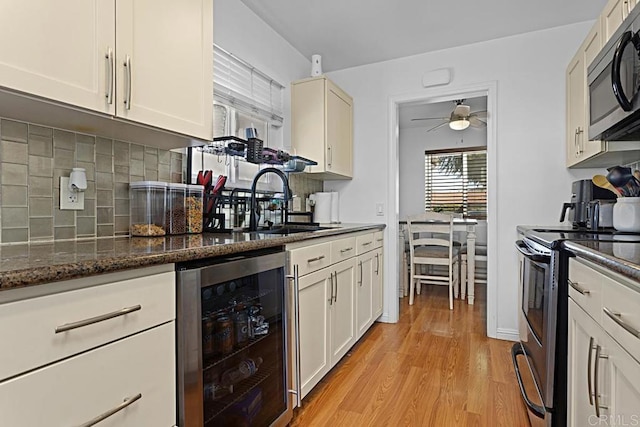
425,249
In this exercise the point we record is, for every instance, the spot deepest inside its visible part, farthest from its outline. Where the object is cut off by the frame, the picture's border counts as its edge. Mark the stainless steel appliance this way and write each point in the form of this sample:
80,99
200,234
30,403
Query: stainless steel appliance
233,366
614,107
538,358
581,208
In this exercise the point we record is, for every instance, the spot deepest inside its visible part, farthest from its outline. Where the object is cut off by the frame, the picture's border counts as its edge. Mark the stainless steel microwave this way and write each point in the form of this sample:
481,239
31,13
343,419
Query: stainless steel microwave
614,84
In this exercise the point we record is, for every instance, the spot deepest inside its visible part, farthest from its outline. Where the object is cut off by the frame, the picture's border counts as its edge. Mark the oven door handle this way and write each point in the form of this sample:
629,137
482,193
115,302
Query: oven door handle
524,250
616,63
538,410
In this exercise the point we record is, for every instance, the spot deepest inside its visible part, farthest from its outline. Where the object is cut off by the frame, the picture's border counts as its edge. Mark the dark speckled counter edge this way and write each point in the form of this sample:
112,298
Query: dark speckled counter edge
65,271
620,266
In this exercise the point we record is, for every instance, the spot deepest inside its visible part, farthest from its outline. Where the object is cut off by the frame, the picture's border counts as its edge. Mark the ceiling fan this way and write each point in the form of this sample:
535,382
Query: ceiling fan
461,118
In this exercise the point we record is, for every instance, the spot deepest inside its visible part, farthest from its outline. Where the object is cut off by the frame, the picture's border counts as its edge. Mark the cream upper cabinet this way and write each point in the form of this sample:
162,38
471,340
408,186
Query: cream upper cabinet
614,12
579,148
61,50
322,127
149,62
164,56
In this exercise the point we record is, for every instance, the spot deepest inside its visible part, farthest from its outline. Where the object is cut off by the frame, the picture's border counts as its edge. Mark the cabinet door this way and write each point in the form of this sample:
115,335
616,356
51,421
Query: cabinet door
339,143
622,394
165,64
378,282
343,334
59,50
78,389
590,48
584,335
612,16
314,311
576,89
364,292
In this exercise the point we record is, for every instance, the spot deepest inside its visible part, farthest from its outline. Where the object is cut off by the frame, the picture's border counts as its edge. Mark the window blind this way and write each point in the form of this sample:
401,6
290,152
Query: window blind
456,181
240,85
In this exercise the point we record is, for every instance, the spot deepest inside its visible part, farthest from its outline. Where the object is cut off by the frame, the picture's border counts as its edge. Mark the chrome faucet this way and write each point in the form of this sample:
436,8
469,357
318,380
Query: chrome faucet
253,214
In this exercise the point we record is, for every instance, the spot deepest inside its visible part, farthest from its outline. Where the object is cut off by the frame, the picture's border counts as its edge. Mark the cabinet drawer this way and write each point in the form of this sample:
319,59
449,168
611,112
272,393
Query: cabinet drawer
343,249
365,243
378,239
31,328
78,389
585,288
620,315
311,258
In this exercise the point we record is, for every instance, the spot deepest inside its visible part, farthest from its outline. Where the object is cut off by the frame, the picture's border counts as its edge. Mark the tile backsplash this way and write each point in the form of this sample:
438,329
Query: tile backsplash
34,157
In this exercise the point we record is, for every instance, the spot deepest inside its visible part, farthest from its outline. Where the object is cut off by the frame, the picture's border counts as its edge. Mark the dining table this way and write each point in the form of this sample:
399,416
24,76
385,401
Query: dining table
461,225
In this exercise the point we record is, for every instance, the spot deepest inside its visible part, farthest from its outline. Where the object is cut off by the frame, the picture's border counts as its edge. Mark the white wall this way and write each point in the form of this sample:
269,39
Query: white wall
240,31
532,179
413,143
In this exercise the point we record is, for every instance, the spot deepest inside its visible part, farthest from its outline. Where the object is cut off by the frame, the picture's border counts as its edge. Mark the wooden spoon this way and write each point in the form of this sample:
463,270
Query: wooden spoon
601,181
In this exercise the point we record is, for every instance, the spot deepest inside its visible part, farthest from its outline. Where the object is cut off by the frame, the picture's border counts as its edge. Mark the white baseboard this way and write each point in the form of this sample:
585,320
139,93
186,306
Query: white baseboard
507,334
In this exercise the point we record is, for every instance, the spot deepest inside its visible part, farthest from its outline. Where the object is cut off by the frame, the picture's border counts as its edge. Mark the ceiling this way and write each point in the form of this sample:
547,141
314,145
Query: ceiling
437,109
348,33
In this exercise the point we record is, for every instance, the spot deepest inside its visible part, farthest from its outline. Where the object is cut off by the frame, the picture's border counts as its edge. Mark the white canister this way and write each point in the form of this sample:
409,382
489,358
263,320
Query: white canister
626,214
335,207
322,208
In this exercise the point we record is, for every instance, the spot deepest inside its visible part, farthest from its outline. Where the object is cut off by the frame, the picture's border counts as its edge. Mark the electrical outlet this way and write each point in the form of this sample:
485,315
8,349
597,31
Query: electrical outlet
70,200
380,209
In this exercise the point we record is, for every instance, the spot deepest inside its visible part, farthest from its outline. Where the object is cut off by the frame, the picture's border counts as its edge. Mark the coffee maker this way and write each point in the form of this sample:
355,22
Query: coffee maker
584,193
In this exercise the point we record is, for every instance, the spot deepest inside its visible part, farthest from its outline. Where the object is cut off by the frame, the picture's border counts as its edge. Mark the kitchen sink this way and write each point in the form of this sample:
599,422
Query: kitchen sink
292,229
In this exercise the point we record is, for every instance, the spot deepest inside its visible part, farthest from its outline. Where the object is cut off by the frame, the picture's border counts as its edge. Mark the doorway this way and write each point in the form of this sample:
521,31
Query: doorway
485,93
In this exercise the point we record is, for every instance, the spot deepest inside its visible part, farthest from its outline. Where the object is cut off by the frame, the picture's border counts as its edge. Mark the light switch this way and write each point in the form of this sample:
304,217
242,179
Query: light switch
380,209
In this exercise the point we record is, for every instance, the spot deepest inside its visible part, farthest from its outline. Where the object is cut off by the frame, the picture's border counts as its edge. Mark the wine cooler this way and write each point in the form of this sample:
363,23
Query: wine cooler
232,341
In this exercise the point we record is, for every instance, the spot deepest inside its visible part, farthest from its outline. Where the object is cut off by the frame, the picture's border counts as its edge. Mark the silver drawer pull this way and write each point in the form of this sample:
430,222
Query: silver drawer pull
379,240
127,401
345,250
81,323
617,317
366,243
579,289
318,258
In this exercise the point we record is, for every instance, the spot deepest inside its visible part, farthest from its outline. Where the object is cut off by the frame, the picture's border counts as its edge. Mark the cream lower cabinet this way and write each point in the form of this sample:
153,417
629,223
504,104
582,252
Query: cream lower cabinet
339,298
137,373
603,360
326,319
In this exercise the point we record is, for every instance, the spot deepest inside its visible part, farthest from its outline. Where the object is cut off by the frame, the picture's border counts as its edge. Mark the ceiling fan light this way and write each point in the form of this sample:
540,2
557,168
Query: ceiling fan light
459,124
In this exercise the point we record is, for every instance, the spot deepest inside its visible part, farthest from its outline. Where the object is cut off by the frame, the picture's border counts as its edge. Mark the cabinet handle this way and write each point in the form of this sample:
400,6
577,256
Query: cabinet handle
345,250
127,401
109,57
596,371
576,141
367,243
296,332
377,264
318,258
379,240
579,289
589,382
335,296
331,283
82,323
617,317
330,155
127,66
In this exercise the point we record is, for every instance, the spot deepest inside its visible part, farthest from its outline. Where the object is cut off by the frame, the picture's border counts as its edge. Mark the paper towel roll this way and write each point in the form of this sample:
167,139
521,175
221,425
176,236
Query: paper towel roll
322,210
335,207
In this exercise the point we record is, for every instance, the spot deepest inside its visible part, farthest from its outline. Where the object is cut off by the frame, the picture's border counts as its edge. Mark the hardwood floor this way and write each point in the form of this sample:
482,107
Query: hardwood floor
435,367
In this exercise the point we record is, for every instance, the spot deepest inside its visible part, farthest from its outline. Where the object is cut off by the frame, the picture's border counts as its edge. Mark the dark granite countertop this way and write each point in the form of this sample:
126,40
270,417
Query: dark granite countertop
620,257
38,263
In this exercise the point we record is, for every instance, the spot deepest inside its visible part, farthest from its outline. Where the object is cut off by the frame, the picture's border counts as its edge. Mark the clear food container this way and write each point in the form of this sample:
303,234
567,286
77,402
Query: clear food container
195,194
176,213
147,208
